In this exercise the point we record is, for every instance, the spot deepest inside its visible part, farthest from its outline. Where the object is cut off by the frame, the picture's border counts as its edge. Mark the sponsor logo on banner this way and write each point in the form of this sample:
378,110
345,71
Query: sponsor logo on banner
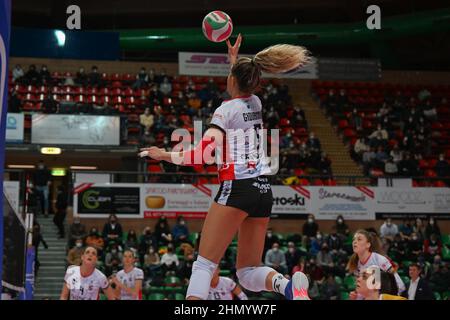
412,200
442,201
290,200
218,65
14,127
353,203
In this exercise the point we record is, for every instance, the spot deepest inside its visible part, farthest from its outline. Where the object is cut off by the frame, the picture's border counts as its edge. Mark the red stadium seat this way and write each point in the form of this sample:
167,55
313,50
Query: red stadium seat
154,168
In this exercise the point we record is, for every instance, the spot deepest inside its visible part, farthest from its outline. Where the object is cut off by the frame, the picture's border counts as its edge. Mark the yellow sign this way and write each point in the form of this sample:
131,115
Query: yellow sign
58,172
50,150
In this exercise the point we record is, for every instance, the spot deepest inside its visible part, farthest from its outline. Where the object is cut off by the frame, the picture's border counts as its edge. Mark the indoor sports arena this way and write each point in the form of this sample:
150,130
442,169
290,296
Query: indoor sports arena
225,150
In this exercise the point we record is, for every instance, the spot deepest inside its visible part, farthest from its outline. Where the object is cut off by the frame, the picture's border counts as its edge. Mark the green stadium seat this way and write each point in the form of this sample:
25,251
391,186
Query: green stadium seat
406,264
103,297
437,296
445,239
124,236
193,237
350,283
225,273
405,279
338,281
445,253
156,296
349,240
446,295
179,296
172,281
345,296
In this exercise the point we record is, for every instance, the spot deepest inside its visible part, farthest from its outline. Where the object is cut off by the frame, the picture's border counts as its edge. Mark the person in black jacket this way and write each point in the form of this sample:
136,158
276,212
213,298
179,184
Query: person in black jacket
61,207
418,288
36,241
112,231
310,227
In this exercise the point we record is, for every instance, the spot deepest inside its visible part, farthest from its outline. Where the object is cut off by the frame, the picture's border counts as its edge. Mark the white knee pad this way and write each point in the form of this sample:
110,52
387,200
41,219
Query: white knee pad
254,278
202,272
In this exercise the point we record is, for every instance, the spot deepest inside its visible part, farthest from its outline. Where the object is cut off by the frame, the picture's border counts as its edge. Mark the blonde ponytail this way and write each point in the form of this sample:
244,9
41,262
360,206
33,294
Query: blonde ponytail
282,58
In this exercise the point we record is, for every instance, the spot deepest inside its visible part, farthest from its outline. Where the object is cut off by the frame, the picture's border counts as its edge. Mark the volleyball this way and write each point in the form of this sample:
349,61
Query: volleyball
217,26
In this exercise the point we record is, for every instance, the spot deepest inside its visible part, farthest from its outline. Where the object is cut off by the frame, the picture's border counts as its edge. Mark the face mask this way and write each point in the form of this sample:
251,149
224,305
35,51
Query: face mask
414,238
275,249
76,222
291,250
79,245
431,222
319,237
340,221
269,235
182,223
310,220
113,251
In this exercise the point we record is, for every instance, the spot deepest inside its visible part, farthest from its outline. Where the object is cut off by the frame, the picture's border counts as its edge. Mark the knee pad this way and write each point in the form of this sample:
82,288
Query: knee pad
202,272
254,278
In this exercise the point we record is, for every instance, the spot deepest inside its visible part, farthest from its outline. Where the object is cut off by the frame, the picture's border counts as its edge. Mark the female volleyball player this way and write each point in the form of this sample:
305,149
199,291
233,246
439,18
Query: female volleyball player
376,284
366,252
223,288
244,201
85,281
129,280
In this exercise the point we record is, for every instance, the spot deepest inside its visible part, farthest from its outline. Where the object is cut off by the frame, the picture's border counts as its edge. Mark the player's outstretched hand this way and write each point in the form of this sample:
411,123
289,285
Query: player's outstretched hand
152,152
234,50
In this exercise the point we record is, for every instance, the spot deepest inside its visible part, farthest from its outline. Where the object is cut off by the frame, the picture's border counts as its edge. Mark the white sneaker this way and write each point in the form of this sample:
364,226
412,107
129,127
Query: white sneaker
300,286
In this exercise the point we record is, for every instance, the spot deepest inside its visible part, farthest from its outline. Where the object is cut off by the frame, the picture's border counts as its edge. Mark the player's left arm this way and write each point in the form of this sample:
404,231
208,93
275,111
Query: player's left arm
110,294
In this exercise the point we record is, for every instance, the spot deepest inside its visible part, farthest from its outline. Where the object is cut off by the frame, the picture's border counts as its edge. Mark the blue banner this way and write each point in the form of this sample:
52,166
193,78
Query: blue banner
29,275
5,24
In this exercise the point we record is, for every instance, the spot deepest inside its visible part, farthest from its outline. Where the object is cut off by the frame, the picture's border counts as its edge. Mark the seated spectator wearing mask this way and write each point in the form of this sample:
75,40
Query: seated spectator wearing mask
388,230
417,288
112,231
180,231
77,231
74,254
169,260
95,240
310,229
376,284
276,259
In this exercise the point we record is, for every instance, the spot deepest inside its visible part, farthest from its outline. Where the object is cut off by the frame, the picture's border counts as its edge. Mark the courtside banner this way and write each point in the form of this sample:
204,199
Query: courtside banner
12,191
291,200
353,203
5,25
172,200
218,65
15,127
100,200
75,130
412,200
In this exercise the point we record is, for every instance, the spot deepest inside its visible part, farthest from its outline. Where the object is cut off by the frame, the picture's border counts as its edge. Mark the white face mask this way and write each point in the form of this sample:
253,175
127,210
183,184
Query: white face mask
310,220
79,245
275,249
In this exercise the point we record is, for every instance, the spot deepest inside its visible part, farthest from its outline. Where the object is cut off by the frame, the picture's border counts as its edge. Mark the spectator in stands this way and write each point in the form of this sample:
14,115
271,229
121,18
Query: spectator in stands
275,259
335,244
315,243
432,247
361,146
313,270
141,79
378,131
330,103
324,258
442,167
270,240
330,289
355,120
341,227
415,247
390,167
310,227
169,260
14,104
388,230
405,229
165,87
49,105
419,229
298,117
45,75
397,249
313,143
94,78
406,166
432,228
37,239
112,231
180,231
77,231
74,254
342,101
17,73
440,277
396,154
185,269
42,181
81,78
61,210
32,77
146,119
272,118
418,287
155,96
384,111
146,241
69,81
147,139
368,158
113,254
286,140
293,255
162,232
95,240
152,261
324,166
132,242
313,290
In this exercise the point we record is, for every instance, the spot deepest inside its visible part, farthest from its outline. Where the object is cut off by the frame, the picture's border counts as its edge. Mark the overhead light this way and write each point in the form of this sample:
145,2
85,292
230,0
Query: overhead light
21,166
83,168
60,37
58,172
50,150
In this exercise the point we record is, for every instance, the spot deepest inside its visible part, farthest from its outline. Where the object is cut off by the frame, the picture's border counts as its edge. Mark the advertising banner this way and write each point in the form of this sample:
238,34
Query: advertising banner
11,190
75,130
14,127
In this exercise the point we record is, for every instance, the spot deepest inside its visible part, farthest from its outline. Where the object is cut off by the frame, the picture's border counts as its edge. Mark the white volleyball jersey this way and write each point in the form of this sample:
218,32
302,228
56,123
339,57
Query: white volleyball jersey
223,290
129,280
376,259
85,288
243,155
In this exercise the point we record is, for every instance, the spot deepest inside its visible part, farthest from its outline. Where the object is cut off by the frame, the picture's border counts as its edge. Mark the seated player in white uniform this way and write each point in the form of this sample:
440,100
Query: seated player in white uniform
223,288
85,281
129,280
